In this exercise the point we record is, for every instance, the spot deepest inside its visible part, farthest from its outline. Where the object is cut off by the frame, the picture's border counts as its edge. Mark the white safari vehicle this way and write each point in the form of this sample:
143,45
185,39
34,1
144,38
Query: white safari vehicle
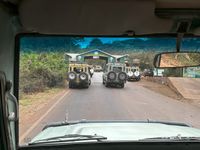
79,75
114,74
133,73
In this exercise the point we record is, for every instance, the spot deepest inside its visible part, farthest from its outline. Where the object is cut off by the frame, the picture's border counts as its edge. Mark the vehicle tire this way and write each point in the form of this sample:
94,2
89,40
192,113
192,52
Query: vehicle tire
72,73
114,75
122,74
83,74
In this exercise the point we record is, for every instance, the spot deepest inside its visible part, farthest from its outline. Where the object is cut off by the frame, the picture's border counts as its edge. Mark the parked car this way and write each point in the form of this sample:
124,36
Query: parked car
98,68
114,74
148,72
79,75
133,73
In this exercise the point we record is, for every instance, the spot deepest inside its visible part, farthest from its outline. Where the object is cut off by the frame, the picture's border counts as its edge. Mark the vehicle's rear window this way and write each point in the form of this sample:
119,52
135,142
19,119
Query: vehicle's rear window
117,69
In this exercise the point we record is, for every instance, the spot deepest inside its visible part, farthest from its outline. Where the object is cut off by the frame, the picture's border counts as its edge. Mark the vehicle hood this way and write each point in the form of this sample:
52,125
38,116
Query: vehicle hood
119,131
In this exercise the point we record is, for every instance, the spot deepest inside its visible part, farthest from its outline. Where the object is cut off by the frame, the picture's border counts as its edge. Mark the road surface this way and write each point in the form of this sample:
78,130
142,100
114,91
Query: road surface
134,102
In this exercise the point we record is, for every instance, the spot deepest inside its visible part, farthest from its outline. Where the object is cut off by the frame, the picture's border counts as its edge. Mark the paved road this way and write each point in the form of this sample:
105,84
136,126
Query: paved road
134,102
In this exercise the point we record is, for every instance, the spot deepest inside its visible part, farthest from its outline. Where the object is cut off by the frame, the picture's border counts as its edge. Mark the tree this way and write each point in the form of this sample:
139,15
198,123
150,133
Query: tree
50,43
96,43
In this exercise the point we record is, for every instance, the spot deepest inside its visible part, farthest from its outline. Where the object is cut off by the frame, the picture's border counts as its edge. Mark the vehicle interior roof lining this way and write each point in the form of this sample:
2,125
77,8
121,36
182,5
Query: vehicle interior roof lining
101,17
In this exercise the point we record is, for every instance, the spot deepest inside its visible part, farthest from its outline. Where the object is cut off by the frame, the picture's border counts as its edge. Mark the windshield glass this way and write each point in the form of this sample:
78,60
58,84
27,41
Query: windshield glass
78,70
117,69
51,91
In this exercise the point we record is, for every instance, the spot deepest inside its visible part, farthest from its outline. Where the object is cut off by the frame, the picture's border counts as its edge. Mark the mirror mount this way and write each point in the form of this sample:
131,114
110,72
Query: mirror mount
183,26
178,41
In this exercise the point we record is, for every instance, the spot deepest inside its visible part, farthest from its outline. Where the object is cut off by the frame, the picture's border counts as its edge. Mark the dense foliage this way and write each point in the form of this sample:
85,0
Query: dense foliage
39,71
75,44
49,44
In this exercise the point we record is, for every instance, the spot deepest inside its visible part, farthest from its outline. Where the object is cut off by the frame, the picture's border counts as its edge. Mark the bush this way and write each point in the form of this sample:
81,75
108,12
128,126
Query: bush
39,71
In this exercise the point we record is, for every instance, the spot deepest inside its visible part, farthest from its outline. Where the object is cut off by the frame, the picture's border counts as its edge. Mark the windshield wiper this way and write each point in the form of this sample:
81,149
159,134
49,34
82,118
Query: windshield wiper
172,139
69,138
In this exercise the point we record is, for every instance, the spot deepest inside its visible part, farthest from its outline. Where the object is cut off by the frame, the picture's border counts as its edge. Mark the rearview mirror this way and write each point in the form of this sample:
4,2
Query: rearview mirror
177,59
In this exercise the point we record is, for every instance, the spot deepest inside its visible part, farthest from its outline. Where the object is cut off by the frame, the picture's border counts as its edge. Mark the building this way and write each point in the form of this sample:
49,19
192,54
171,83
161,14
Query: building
192,72
95,54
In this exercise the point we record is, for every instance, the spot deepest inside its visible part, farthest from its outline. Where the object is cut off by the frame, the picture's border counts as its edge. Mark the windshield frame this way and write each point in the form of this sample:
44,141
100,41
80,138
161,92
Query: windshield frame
26,34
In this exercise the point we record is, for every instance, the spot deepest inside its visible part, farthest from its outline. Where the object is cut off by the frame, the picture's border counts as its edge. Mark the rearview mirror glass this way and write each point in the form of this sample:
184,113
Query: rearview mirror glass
174,59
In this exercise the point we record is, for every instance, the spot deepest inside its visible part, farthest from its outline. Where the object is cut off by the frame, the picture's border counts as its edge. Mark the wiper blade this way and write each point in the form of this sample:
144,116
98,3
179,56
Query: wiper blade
172,138
69,138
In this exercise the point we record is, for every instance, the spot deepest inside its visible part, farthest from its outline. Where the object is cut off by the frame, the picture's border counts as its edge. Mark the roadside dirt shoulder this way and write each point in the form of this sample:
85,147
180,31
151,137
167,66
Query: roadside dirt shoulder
32,106
189,88
161,88
164,87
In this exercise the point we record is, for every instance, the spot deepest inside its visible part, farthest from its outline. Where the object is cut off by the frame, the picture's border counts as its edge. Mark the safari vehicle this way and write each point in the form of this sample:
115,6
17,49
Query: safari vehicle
33,31
148,73
133,73
79,75
98,68
114,74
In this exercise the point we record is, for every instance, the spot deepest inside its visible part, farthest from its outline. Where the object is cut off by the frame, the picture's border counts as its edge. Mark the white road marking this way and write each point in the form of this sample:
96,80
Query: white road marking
42,117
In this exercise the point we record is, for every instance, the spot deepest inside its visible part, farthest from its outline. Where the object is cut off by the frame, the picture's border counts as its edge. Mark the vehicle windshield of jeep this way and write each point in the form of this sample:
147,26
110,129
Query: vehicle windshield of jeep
78,70
117,69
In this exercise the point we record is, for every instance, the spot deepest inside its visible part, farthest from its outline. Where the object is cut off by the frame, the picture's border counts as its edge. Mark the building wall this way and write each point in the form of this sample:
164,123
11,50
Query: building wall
192,72
97,55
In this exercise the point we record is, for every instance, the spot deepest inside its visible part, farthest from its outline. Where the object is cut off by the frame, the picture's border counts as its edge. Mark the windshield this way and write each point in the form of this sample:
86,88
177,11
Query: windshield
51,91
78,70
117,69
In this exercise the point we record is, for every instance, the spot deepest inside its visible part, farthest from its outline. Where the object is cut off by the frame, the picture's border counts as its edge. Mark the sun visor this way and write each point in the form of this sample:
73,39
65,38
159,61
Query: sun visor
92,17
